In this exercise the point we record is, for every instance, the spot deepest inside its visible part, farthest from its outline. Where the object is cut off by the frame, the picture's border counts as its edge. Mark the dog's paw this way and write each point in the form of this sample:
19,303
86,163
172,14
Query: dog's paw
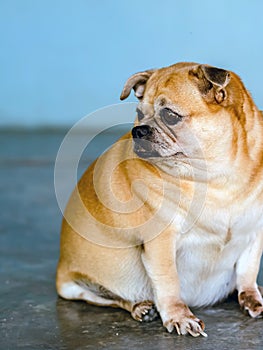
188,325
144,311
251,303
184,322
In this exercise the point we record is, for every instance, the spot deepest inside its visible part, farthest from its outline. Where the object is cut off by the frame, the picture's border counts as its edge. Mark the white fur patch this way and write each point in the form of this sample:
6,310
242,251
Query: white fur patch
73,291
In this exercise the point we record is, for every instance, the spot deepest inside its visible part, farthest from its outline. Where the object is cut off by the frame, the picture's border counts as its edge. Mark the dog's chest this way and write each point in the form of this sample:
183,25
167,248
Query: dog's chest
206,255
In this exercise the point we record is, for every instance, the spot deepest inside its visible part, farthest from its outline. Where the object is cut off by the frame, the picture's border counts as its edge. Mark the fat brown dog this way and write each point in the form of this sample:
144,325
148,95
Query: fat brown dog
171,216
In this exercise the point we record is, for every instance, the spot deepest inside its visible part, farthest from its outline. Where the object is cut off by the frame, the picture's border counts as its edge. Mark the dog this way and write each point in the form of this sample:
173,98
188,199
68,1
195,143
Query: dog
171,216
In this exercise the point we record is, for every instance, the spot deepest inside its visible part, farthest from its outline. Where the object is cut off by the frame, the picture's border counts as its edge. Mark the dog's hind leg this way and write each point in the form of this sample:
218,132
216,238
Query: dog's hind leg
98,295
92,294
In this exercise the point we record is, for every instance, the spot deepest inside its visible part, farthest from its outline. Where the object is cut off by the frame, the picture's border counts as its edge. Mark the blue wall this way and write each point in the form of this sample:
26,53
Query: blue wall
60,60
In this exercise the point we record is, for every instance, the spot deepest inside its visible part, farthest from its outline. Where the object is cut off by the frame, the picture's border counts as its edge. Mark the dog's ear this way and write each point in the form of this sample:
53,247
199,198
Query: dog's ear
136,82
212,82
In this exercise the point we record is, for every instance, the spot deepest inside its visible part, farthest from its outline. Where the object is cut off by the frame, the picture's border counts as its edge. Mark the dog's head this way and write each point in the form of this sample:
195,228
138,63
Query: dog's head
185,111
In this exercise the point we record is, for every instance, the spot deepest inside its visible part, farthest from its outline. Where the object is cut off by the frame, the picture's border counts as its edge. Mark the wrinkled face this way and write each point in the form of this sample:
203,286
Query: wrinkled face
182,113
162,127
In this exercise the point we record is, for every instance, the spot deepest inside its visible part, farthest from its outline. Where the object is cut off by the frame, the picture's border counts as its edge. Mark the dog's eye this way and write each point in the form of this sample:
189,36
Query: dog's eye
169,117
140,114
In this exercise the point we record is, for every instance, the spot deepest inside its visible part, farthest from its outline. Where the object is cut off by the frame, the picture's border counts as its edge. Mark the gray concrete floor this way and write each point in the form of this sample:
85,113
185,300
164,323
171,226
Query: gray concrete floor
31,314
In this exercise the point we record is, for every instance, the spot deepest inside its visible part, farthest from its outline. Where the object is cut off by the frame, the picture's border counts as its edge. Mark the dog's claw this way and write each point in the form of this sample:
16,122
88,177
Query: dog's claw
177,329
193,334
204,334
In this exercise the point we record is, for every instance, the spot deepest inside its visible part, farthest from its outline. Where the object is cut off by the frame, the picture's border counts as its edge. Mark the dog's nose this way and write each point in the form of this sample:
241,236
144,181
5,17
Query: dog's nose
141,131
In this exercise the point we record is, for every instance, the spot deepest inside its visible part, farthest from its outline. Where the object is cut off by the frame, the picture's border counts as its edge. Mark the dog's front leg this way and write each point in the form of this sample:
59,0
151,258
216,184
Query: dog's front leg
159,260
247,268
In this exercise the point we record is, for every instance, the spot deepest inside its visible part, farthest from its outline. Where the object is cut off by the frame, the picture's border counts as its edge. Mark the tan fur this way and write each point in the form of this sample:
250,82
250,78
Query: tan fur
185,228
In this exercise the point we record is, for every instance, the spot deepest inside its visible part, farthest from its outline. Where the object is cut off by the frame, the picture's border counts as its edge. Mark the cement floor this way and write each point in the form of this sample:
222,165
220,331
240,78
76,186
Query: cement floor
31,314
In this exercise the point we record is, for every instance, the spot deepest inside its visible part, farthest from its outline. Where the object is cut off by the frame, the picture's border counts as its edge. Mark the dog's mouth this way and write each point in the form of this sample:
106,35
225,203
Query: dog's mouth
146,154
145,147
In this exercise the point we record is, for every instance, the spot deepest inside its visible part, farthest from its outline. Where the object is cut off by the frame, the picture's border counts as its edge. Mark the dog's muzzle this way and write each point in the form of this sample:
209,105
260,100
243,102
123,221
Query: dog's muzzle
143,144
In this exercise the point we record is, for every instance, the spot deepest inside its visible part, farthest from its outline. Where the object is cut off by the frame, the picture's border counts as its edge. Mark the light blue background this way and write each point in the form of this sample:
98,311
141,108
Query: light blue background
60,60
